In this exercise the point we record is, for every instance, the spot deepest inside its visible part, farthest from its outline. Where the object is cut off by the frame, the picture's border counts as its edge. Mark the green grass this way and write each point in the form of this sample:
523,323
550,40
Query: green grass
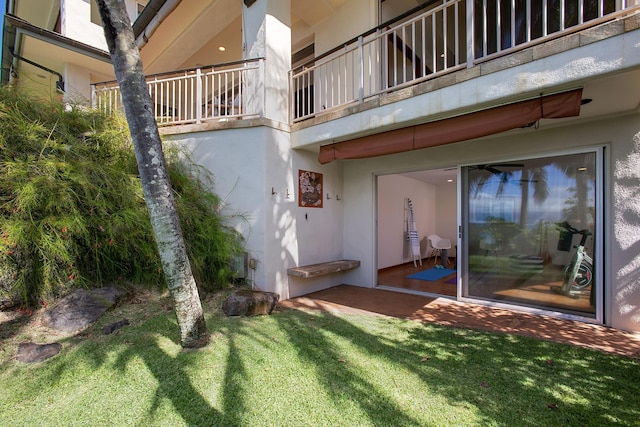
309,369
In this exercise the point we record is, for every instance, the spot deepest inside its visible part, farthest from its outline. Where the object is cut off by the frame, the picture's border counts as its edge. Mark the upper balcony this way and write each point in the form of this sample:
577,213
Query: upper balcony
436,39
198,95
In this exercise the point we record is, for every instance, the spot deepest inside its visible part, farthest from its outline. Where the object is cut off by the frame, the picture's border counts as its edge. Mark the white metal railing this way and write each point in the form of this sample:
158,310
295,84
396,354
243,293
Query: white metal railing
445,36
502,25
196,95
422,47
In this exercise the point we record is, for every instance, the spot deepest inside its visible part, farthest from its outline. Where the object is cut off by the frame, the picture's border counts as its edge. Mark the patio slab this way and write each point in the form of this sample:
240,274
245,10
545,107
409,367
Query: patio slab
445,311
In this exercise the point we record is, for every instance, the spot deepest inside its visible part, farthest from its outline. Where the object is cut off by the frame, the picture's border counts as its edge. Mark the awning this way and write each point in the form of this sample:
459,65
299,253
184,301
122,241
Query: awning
456,129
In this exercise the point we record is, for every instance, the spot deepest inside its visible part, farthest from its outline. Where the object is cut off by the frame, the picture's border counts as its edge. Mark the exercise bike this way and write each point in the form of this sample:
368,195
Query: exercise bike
578,274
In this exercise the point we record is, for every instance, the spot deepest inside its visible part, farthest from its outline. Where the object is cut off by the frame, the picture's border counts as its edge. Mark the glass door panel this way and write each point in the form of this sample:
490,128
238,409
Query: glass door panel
532,232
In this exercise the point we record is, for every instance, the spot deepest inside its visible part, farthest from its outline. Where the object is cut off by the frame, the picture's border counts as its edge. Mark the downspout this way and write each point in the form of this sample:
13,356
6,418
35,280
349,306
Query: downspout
166,9
10,7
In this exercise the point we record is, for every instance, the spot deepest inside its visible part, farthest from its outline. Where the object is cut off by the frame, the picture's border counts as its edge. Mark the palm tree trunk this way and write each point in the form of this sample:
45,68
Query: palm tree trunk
524,198
153,174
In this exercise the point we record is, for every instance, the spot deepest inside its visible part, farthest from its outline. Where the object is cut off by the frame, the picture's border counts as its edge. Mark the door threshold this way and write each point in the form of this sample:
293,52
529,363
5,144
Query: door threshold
414,292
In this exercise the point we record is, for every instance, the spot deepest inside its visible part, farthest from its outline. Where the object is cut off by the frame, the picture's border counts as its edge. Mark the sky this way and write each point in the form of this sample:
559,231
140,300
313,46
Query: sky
3,4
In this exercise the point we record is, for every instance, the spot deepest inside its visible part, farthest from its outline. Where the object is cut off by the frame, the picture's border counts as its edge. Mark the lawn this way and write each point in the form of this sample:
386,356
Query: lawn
296,368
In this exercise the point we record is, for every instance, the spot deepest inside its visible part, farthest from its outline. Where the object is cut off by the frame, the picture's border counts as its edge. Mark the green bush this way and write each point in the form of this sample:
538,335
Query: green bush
72,212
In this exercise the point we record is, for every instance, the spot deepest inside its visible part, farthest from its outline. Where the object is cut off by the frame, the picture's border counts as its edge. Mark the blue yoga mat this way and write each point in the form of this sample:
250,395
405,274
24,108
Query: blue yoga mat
432,274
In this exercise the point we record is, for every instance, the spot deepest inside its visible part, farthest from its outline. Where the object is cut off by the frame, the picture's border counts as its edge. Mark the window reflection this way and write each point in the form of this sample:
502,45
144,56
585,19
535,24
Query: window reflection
520,249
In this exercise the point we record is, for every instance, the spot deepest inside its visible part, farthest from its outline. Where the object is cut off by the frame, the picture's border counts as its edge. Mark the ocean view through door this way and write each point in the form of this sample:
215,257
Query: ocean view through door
532,232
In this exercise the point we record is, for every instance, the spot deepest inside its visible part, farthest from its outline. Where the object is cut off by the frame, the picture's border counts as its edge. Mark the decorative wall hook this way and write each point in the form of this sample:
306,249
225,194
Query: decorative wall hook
338,197
328,197
273,192
288,195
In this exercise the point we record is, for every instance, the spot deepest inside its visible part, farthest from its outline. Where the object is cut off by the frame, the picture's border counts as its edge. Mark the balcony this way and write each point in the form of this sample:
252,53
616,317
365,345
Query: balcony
198,95
437,38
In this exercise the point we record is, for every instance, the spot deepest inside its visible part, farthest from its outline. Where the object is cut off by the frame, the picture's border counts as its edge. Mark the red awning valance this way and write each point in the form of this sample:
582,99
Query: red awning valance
456,129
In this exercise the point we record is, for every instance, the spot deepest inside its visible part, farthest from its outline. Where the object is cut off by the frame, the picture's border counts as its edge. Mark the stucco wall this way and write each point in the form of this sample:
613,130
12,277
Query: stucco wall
318,231
236,159
77,84
352,19
76,23
250,164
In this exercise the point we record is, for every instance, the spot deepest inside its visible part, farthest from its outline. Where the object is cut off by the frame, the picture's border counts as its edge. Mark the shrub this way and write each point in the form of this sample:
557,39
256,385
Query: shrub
72,212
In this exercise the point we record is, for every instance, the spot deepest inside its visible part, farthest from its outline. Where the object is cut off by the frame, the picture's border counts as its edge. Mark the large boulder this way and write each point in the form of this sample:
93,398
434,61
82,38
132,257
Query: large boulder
80,308
29,352
247,302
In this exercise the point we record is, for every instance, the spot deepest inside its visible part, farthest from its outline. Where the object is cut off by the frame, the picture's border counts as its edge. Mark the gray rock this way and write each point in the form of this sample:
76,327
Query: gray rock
29,352
111,327
80,308
246,302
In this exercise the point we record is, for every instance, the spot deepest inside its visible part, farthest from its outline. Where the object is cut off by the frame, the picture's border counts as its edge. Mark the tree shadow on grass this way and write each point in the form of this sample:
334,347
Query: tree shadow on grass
174,382
233,392
153,341
497,375
337,376
494,376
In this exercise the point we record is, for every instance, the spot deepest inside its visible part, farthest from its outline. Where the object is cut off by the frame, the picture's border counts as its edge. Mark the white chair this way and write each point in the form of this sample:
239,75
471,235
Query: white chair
490,246
439,247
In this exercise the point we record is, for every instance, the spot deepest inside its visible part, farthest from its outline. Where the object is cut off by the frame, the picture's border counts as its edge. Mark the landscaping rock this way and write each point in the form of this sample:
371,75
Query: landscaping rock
80,308
111,327
246,302
29,352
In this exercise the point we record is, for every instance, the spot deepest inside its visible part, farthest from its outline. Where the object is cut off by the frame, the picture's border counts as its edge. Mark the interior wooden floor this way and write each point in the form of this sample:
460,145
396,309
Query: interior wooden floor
396,277
535,293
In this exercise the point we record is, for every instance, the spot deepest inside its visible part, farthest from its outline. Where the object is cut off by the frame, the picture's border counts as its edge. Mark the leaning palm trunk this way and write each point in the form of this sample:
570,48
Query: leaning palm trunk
153,174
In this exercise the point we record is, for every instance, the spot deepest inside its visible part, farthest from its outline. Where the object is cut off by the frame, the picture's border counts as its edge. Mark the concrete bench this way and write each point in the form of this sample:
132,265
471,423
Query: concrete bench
323,268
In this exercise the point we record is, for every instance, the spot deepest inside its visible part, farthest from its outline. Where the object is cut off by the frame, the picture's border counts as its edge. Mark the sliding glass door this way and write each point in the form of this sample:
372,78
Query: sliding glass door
532,232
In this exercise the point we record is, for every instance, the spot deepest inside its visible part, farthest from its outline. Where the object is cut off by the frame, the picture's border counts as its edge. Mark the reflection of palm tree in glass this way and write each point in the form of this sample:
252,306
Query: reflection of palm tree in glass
530,178
578,209
581,170
536,178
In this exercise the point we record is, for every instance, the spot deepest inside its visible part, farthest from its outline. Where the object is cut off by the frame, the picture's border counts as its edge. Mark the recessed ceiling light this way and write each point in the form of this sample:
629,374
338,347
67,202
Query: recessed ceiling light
449,180
582,169
222,48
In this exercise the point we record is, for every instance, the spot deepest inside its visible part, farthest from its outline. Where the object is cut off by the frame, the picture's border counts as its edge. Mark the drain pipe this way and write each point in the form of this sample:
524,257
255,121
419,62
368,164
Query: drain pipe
59,83
155,22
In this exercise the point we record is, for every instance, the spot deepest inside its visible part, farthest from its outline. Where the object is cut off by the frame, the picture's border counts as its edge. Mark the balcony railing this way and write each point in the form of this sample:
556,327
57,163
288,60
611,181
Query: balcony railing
446,35
436,38
196,95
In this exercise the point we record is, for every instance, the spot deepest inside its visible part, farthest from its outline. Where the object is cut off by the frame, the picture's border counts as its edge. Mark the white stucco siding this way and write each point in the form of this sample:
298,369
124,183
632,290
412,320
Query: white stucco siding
236,159
76,23
353,18
281,225
624,247
77,84
267,34
256,174
318,230
621,136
